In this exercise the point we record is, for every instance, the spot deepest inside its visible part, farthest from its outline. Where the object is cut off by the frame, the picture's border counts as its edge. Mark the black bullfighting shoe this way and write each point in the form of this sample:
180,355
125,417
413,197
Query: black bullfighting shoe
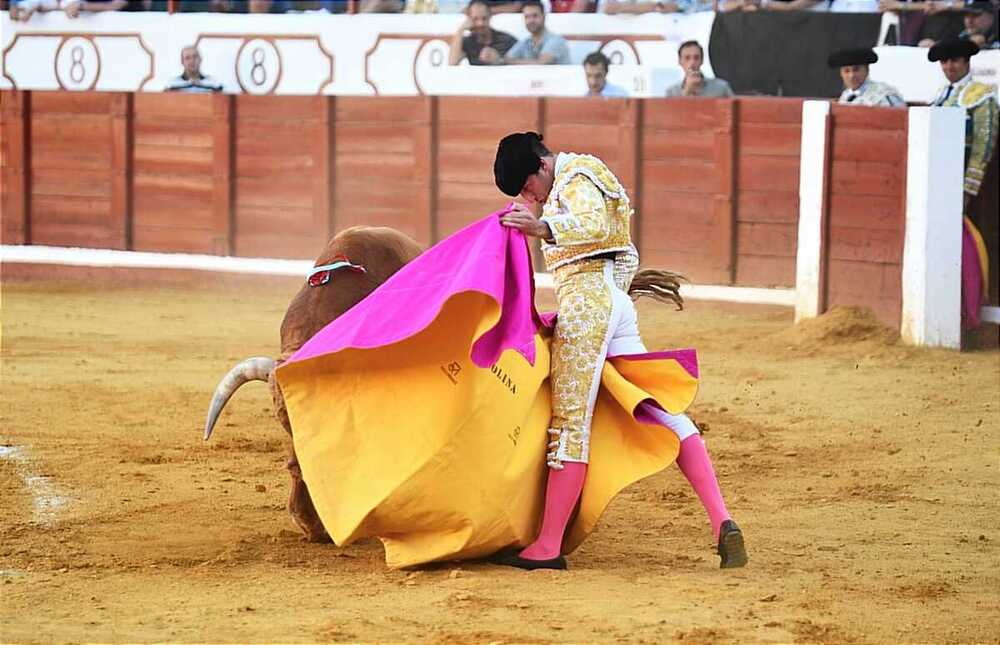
512,559
731,548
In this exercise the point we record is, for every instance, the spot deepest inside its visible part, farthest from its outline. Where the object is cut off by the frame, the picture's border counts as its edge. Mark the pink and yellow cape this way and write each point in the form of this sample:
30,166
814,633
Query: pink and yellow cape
420,415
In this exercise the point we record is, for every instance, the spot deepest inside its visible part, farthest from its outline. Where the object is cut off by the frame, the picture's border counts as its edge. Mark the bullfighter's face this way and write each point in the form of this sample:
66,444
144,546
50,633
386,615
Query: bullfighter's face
538,186
955,69
854,76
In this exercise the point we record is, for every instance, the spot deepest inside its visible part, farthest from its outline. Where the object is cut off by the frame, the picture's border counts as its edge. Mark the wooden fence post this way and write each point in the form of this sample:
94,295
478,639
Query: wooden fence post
426,156
726,150
326,180
15,119
630,142
121,168
224,173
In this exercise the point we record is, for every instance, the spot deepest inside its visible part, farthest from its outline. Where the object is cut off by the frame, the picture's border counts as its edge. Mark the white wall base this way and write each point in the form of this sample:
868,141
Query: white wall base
31,254
932,251
812,184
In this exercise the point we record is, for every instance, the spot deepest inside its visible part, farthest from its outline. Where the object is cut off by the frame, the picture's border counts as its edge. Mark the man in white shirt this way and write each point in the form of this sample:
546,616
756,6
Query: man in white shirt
691,56
859,89
595,66
541,47
192,80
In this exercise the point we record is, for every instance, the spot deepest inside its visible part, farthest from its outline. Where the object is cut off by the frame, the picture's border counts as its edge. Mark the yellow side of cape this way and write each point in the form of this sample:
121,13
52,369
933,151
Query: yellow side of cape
441,459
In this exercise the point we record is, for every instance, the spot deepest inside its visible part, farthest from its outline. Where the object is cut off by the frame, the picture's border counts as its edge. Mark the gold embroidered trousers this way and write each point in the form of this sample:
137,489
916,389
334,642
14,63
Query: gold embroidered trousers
596,319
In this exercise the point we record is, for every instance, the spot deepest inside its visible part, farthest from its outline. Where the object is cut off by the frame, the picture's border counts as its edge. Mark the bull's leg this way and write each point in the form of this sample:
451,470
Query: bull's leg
300,505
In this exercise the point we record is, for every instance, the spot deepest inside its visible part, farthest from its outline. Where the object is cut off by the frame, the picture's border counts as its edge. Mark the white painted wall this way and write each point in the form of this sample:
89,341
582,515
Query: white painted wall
811,188
296,53
932,252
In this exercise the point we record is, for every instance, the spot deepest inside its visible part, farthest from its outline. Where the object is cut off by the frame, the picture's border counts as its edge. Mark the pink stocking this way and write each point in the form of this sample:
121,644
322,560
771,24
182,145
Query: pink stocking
694,462
561,494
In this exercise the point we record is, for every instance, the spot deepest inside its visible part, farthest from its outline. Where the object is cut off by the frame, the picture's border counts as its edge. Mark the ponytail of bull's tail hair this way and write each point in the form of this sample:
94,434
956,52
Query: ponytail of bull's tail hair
660,285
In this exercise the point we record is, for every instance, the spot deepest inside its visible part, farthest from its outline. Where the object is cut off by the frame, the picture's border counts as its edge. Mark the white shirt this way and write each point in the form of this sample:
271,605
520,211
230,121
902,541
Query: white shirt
611,91
955,88
872,93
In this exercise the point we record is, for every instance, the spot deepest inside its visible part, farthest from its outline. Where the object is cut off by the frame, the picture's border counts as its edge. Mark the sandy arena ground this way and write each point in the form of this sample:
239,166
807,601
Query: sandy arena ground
864,474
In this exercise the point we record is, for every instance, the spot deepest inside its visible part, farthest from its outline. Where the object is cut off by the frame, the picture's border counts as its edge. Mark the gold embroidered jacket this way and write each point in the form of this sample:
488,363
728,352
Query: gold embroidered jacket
589,214
981,114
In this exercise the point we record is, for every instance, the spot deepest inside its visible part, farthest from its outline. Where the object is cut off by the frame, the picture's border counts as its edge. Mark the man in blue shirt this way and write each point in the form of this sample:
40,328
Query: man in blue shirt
595,66
541,47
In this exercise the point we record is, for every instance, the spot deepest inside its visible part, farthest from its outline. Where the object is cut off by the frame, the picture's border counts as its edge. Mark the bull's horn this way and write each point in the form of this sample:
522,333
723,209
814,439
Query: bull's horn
252,369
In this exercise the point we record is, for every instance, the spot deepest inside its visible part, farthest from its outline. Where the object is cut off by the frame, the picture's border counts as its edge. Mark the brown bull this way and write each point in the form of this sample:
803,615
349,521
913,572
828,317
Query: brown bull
382,252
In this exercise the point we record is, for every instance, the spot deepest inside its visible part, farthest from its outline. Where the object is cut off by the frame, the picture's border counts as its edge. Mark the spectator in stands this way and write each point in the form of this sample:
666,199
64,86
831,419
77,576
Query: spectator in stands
612,7
191,79
691,56
381,6
459,6
653,6
980,24
264,6
768,5
146,5
505,6
572,6
212,6
595,66
25,9
859,89
981,123
924,22
484,45
541,47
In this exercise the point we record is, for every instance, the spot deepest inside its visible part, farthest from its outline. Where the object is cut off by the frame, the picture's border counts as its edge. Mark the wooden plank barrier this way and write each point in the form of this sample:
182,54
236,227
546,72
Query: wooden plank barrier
79,169
181,169
714,181
867,210
768,146
281,175
15,196
383,159
469,129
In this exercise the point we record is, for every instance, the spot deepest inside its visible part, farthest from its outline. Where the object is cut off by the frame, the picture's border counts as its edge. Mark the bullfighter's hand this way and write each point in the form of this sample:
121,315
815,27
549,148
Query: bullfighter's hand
525,221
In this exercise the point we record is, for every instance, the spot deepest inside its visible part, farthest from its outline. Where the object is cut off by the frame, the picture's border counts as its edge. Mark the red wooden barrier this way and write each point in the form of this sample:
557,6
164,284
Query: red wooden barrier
867,210
714,181
79,165
180,172
15,196
384,164
768,145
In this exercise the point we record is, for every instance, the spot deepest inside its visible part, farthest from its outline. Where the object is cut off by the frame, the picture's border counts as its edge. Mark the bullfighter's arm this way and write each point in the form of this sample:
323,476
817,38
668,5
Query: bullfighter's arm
984,137
579,215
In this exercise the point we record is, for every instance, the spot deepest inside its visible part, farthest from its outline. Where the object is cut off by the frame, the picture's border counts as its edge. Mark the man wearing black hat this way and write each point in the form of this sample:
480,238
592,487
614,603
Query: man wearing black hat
858,88
587,246
981,122
979,101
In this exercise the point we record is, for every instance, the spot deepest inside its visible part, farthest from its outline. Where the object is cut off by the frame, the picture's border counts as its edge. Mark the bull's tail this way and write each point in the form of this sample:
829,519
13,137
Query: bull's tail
658,284
252,369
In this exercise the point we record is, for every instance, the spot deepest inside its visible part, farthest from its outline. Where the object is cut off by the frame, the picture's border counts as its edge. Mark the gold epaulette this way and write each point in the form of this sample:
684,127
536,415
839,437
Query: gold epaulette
975,93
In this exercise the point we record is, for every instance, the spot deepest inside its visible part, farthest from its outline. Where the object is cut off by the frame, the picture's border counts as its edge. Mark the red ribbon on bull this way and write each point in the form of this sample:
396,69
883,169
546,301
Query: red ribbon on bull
321,275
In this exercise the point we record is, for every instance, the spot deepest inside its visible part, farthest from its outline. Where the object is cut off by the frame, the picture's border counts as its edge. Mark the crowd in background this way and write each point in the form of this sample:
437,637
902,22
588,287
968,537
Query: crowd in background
922,22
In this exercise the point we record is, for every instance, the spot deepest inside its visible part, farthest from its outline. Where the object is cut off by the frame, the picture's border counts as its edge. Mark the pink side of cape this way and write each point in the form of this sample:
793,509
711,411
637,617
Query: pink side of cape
484,257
